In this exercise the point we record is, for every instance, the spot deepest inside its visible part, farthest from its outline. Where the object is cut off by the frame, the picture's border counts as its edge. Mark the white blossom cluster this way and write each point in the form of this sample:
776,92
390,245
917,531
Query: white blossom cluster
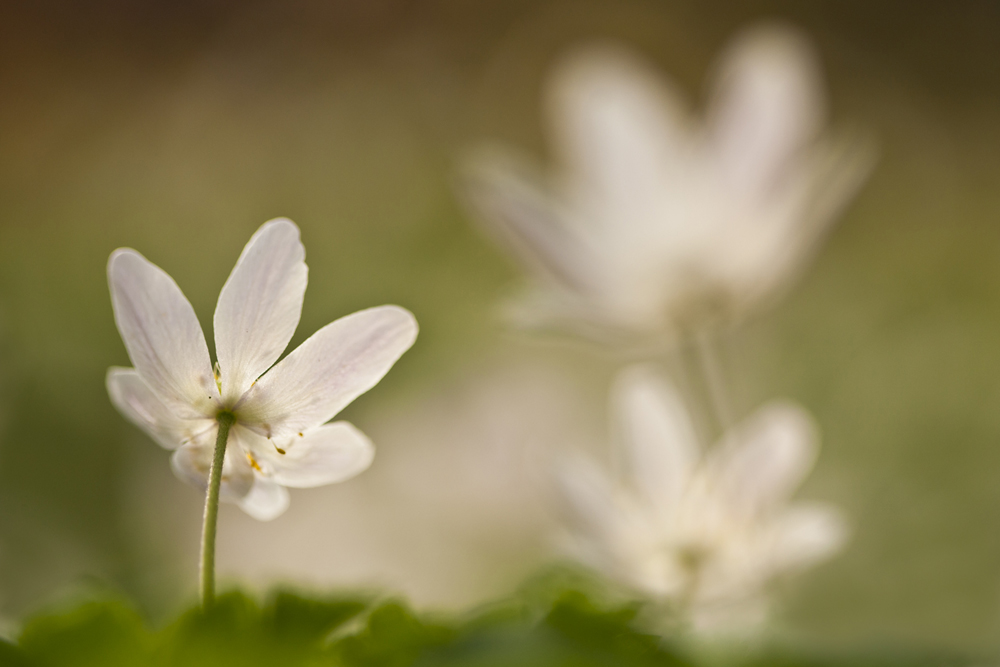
655,227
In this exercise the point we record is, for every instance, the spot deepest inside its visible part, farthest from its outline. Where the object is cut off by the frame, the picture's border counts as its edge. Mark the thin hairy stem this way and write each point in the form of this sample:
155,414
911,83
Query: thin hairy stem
212,512
715,383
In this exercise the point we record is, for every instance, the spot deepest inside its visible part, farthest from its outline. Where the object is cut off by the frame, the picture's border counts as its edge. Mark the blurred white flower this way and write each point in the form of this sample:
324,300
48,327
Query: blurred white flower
704,532
279,438
655,222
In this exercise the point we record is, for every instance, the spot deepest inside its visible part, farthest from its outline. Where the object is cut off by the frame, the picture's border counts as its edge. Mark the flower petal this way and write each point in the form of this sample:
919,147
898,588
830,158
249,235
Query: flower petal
592,499
806,534
514,208
616,534
267,500
323,455
622,135
141,406
162,335
259,306
657,430
192,463
330,369
826,179
767,107
759,464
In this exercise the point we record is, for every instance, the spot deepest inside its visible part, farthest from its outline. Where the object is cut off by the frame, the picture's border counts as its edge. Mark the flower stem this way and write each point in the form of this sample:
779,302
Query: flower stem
212,512
715,383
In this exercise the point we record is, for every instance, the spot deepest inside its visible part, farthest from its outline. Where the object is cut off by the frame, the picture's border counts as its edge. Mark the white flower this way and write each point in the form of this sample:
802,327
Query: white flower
280,437
656,222
704,531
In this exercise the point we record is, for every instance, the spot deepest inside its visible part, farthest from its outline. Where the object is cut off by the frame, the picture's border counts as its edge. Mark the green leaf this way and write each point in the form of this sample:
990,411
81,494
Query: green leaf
229,633
295,620
290,630
392,637
12,656
104,633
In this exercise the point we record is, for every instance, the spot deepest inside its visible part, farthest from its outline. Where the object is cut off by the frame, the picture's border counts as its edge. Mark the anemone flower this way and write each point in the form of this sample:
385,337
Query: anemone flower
274,416
704,532
652,222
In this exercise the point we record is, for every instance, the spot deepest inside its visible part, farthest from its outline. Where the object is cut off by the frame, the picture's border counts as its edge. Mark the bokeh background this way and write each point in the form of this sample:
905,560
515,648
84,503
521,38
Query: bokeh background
178,128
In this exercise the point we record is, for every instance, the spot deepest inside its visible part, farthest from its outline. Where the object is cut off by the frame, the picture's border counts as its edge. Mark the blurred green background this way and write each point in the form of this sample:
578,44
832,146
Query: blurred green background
178,128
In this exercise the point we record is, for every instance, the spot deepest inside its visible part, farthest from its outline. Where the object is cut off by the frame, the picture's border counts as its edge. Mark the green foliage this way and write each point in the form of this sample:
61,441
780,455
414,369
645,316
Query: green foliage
572,631
393,637
546,625
288,630
105,633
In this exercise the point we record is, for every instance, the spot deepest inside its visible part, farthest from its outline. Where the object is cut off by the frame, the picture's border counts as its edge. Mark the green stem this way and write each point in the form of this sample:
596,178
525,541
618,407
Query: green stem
226,420
714,379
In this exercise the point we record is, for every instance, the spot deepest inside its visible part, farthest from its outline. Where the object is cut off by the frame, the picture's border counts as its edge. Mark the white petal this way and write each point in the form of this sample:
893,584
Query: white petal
514,208
192,463
592,500
761,462
259,306
662,446
824,182
140,406
768,105
330,369
835,170
621,131
162,335
808,533
323,455
267,500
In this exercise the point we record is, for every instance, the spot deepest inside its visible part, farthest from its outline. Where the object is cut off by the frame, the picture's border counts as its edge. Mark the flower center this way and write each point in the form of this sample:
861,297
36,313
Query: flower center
225,416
